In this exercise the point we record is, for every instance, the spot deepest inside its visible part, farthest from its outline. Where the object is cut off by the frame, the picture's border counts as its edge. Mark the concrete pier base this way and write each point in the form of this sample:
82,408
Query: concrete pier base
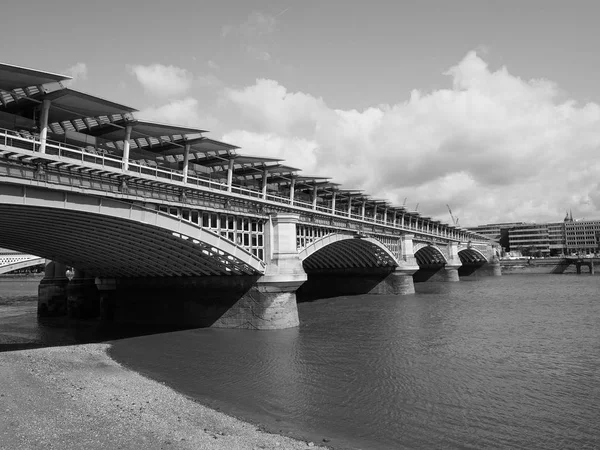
442,273
52,296
83,299
267,306
376,281
398,282
451,274
221,302
478,271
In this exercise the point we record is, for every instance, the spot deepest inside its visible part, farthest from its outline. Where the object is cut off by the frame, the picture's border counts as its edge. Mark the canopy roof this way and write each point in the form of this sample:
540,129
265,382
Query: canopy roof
14,77
103,123
142,129
257,169
69,104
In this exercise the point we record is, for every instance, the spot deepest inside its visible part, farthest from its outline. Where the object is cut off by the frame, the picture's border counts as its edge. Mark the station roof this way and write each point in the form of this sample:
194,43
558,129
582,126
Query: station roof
201,145
14,77
69,104
256,170
256,162
141,129
22,90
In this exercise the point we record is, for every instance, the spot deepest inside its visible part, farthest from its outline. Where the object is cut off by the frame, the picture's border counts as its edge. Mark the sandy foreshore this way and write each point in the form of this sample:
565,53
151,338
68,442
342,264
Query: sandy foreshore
77,397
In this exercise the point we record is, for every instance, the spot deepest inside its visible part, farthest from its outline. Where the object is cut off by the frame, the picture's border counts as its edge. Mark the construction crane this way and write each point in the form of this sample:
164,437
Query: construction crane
454,220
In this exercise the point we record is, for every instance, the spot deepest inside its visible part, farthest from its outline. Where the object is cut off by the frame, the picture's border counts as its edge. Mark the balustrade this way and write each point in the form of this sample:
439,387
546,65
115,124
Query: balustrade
102,159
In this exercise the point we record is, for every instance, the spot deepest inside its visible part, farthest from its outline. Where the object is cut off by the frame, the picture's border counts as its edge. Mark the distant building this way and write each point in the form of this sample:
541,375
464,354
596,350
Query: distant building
545,239
497,232
556,238
530,239
582,236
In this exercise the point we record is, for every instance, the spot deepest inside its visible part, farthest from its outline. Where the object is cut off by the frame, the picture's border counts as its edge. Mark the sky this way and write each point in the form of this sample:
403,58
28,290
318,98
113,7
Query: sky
491,107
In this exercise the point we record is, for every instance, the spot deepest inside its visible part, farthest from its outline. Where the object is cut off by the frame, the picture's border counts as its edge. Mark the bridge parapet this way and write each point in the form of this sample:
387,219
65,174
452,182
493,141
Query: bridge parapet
63,165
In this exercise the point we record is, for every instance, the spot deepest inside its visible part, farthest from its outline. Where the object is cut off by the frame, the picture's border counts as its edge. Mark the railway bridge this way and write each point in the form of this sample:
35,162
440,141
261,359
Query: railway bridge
162,223
11,261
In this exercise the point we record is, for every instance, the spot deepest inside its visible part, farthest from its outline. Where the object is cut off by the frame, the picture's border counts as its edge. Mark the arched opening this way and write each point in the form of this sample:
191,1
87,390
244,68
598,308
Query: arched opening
471,260
344,265
431,261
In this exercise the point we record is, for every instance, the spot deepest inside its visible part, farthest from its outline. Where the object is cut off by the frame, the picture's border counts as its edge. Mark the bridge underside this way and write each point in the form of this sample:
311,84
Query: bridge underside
475,264
107,247
348,254
351,266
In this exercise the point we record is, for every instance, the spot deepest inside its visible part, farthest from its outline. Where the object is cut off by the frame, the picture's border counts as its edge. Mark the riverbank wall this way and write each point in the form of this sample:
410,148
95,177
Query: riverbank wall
532,266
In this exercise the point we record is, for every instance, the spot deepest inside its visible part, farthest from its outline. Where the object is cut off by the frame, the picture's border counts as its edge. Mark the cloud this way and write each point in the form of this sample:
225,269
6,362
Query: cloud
184,112
254,34
78,72
213,65
492,145
208,80
163,81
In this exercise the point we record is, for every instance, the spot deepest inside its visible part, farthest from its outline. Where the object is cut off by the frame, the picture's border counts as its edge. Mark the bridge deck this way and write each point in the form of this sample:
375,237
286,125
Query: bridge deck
59,156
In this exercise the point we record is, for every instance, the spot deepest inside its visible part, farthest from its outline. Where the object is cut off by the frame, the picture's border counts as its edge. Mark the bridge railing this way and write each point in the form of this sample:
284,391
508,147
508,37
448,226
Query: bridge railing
100,158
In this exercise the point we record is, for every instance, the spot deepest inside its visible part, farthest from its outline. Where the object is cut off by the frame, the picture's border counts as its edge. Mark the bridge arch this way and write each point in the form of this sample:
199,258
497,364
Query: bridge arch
471,256
428,255
346,251
110,238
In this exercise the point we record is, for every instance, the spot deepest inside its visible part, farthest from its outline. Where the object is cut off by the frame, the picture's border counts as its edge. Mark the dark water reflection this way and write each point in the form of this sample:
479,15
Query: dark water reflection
510,362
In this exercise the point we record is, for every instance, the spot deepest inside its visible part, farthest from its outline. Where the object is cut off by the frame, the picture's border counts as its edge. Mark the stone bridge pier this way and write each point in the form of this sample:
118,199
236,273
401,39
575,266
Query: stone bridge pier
261,301
52,290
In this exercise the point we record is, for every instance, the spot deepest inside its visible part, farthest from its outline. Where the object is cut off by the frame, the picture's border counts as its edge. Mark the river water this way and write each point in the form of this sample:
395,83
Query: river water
507,362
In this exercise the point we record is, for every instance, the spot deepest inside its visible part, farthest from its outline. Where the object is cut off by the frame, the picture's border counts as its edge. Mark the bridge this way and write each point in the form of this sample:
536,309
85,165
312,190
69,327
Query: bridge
579,261
160,222
11,261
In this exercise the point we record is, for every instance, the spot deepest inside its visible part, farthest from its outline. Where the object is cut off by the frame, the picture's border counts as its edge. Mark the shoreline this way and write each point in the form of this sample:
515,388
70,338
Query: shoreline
79,397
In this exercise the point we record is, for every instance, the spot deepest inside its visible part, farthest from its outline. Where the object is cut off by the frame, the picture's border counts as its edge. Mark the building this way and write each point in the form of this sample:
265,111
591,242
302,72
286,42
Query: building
556,238
530,239
582,236
545,239
497,232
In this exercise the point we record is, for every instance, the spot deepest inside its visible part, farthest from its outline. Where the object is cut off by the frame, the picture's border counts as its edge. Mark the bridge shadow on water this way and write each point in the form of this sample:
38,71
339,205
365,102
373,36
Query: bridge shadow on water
21,329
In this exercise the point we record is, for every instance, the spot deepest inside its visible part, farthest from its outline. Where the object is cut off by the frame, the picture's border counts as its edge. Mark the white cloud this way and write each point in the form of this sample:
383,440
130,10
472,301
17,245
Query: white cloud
184,112
78,72
296,151
493,146
213,65
163,81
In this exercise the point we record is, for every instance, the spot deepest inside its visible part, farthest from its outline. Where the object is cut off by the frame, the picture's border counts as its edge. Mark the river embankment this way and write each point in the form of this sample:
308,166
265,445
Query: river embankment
535,266
76,397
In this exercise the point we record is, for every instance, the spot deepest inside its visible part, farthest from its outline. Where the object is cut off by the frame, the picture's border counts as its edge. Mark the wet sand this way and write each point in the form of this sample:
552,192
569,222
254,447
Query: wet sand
77,397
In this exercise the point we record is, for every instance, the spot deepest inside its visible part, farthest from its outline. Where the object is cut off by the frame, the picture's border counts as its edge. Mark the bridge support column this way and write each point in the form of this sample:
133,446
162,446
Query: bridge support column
266,302
52,297
398,282
271,303
453,264
451,273
83,300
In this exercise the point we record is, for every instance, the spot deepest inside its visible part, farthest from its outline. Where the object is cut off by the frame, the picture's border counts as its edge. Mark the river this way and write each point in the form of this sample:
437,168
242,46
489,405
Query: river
507,362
